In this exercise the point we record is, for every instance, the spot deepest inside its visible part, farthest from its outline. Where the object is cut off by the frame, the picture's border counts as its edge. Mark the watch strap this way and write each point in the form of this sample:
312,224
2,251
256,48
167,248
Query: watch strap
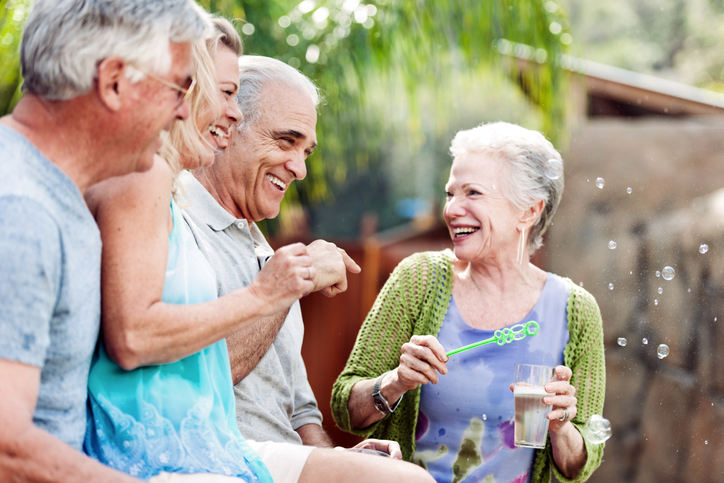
379,400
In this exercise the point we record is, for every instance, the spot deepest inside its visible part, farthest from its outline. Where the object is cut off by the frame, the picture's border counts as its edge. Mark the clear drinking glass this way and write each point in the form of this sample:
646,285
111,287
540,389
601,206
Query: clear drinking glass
531,424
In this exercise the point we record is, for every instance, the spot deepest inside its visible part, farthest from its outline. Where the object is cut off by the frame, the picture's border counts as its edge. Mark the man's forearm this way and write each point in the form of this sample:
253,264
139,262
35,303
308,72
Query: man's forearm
247,346
313,435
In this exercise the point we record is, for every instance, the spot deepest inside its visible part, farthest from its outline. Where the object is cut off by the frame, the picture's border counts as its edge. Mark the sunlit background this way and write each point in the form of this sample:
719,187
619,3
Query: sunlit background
628,90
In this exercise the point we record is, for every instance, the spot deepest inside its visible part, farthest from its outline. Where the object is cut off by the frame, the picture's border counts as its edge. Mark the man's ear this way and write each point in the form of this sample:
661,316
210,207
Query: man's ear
112,82
531,215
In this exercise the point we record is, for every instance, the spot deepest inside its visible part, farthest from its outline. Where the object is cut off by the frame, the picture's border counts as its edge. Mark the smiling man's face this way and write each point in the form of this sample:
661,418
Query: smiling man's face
262,161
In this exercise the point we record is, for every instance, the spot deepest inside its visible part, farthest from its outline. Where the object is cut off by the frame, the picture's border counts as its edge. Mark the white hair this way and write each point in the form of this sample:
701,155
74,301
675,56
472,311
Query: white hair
257,72
65,40
524,154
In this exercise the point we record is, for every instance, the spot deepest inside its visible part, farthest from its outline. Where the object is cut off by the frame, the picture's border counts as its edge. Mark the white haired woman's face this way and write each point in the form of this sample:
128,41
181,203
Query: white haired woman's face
483,224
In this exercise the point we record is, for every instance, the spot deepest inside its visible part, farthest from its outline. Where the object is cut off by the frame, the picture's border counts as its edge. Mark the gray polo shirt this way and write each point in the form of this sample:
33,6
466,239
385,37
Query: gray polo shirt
50,259
275,398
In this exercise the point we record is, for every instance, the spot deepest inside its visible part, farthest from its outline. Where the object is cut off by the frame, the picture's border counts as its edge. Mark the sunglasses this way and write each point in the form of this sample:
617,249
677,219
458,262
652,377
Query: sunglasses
183,93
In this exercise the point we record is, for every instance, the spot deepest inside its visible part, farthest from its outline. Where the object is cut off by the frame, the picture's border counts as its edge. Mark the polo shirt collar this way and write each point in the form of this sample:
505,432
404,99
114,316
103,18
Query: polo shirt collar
214,215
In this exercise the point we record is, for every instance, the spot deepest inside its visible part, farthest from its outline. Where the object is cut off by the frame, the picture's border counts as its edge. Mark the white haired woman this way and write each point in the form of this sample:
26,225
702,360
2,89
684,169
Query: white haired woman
499,204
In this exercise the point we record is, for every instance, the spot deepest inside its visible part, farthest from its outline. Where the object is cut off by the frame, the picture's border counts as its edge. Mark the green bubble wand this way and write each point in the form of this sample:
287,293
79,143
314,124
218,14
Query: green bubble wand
504,336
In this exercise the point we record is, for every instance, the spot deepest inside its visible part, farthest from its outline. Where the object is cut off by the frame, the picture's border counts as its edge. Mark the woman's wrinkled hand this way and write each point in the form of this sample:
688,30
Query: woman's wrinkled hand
285,278
563,395
392,448
421,360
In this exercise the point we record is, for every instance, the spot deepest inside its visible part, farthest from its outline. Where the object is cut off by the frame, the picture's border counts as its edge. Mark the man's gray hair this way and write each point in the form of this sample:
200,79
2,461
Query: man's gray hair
257,72
524,154
65,40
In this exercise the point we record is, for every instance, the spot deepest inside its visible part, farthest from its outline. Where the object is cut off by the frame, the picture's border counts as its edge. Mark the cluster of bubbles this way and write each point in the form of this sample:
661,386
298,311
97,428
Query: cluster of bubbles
661,352
597,429
554,169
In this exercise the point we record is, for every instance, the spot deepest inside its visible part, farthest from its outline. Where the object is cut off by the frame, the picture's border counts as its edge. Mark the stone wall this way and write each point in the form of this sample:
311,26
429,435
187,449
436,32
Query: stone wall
667,414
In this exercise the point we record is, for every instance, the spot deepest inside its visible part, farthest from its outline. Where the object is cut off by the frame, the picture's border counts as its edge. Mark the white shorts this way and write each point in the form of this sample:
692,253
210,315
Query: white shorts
194,478
285,461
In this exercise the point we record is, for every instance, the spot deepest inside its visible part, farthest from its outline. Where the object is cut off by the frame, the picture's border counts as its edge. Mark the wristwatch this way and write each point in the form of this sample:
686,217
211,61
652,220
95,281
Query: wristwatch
379,400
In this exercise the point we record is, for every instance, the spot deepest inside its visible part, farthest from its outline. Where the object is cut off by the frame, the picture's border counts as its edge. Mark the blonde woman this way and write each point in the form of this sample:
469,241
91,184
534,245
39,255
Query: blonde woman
162,406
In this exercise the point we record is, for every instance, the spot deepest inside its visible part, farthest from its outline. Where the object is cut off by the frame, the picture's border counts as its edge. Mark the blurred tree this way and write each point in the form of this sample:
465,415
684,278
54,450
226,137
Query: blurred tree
353,50
678,39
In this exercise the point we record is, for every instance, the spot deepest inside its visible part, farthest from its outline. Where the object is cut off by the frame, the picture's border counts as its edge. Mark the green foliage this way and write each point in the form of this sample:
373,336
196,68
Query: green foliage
12,18
406,53
344,44
678,39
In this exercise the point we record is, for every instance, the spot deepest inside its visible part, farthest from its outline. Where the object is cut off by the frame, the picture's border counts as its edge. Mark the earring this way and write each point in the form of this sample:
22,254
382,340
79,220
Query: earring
521,247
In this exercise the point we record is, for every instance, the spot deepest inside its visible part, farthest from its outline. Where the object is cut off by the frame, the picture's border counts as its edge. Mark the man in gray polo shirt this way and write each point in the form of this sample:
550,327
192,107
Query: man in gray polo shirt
84,117
276,409
246,183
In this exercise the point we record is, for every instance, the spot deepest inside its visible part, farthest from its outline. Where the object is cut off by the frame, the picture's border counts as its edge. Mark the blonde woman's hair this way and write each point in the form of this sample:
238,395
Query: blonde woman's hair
185,140
228,36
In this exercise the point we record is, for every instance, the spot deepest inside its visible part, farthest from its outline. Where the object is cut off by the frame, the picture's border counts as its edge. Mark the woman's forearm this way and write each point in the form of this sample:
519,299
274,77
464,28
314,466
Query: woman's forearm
362,411
163,333
569,450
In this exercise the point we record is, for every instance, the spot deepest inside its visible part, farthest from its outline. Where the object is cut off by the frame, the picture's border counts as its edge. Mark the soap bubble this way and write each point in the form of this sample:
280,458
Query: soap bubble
645,341
656,301
662,351
485,417
658,274
667,273
612,245
703,248
610,286
599,183
629,190
597,429
661,290
622,341
554,169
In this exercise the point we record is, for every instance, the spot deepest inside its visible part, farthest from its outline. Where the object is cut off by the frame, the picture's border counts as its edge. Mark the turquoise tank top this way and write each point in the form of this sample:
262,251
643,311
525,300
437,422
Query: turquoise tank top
178,417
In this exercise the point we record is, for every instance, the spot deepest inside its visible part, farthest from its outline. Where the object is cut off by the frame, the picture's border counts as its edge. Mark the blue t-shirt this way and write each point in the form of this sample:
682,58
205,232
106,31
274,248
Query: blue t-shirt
465,427
178,417
50,256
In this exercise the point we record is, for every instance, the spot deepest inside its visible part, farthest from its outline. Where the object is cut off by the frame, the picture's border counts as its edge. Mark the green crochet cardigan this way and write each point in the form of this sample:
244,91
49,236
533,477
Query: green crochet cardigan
414,301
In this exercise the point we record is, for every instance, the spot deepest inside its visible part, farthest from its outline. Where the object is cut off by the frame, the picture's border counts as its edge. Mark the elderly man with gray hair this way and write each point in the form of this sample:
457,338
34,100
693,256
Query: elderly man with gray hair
276,409
103,78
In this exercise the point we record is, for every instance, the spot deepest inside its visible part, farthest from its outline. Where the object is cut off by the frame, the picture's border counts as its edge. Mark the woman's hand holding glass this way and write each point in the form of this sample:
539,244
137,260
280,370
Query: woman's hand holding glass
563,399
421,360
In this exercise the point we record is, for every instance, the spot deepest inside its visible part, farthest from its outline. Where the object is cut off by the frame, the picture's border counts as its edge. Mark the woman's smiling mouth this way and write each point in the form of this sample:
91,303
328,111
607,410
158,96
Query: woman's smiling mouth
463,231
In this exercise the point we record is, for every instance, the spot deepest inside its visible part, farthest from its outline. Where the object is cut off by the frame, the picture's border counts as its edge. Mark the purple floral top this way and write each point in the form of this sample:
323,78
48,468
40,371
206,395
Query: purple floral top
466,421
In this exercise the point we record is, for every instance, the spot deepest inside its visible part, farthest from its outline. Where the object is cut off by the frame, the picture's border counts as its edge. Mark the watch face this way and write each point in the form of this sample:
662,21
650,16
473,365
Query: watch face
380,405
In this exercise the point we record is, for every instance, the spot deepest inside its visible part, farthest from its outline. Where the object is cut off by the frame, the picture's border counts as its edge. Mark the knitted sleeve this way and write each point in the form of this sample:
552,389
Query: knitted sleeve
584,355
406,306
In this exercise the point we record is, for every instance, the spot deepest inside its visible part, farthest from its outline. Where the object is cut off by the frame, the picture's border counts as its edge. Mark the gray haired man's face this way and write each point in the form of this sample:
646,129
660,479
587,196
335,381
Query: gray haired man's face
263,160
